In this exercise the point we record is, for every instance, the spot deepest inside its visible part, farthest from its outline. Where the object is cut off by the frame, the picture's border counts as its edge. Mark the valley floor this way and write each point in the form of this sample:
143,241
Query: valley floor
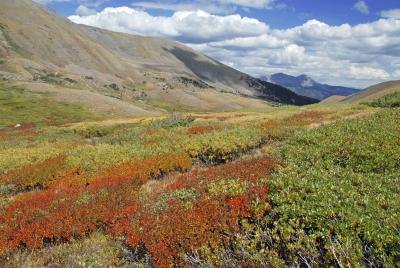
284,186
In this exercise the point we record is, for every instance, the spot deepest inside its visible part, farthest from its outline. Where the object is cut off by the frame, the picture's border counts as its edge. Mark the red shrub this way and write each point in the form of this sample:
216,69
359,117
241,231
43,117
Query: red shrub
188,217
306,117
199,130
67,210
184,225
38,174
25,130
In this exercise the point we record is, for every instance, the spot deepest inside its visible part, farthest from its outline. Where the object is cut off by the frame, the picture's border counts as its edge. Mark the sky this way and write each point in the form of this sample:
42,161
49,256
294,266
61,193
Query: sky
343,42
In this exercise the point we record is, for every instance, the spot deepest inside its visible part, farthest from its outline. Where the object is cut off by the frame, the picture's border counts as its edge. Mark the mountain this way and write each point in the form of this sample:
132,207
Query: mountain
306,86
375,92
38,47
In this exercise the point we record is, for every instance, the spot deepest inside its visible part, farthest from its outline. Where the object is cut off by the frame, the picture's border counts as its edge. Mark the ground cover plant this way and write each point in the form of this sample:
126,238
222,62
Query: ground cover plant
335,202
202,189
388,101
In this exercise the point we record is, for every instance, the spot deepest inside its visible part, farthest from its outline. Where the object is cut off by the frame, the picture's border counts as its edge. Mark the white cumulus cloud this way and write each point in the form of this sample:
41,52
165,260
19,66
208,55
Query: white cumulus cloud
85,11
212,6
249,3
391,13
186,26
356,55
361,7
396,74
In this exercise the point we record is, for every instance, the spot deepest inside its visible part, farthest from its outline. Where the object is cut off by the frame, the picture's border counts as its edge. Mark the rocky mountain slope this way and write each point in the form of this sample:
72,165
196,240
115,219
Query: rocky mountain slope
306,86
39,46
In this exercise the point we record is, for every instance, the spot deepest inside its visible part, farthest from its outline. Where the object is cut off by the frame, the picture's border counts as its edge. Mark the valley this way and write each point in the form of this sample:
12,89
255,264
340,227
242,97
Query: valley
120,150
77,184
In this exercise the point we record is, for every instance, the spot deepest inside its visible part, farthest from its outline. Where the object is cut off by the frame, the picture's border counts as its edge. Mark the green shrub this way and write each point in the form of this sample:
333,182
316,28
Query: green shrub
92,131
114,86
174,120
183,195
70,80
227,187
388,101
335,203
221,146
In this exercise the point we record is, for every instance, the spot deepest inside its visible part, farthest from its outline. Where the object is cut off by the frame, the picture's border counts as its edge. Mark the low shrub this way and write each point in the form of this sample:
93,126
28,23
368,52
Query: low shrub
70,80
334,204
191,212
36,175
114,86
92,131
305,117
15,158
220,146
388,101
276,130
174,120
97,250
73,208
196,130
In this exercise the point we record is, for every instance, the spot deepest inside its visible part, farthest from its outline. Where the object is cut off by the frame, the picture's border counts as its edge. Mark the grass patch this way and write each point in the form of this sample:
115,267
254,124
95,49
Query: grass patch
19,106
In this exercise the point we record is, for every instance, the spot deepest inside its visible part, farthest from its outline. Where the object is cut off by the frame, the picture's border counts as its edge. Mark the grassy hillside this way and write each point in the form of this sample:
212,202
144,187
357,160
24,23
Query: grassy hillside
128,67
374,92
18,106
284,186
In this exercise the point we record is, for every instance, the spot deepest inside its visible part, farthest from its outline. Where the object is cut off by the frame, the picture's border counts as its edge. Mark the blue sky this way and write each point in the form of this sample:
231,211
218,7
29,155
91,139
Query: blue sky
349,42
296,11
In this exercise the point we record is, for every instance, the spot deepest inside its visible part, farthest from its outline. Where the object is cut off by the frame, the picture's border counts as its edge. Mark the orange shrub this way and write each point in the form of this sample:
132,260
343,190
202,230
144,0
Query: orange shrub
199,130
306,117
36,175
75,208
25,130
191,216
194,209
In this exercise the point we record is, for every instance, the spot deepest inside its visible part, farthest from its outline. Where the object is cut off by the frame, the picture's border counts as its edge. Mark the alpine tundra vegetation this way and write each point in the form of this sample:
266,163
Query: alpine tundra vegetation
127,150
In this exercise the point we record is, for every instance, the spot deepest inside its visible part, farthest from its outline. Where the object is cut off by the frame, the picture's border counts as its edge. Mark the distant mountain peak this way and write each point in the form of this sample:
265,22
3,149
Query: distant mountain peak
303,76
306,86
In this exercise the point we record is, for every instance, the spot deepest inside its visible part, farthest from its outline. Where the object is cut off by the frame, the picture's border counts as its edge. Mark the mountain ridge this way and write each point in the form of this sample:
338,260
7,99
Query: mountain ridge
39,45
374,92
306,86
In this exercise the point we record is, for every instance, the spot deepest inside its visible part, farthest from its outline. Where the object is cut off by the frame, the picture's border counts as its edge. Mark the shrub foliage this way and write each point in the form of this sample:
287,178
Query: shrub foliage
388,101
336,201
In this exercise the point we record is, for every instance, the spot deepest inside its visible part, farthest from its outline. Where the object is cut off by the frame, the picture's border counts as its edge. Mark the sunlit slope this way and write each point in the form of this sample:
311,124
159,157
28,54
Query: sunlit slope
375,92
